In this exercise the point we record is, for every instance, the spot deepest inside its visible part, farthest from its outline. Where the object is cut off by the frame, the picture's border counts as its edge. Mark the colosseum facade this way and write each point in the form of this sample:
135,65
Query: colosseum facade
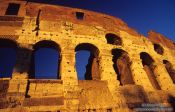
125,71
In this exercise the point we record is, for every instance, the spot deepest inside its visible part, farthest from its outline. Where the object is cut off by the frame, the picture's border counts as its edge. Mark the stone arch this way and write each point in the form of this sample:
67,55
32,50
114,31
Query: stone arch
113,39
148,65
44,44
8,49
159,49
169,69
92,68
121,64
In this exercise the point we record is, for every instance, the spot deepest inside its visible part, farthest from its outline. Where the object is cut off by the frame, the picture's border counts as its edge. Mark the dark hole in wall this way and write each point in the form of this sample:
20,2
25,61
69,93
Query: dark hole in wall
170,70
37,23
45,60
158,49
109,110
122,67
113,39
146,59
92,68
7,57
12,9
171,100
148,66
80,15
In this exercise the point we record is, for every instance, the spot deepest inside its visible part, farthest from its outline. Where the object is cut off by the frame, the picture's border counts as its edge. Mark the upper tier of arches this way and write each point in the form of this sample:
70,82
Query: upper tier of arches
120,58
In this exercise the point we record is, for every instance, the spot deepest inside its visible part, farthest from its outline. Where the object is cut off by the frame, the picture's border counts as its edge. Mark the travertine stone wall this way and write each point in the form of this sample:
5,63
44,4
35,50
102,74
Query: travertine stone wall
58,27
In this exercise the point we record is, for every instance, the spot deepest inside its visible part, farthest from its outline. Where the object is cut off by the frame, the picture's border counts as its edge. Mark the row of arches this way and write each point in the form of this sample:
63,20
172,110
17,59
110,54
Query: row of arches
116,40
46,57
122,67
149,67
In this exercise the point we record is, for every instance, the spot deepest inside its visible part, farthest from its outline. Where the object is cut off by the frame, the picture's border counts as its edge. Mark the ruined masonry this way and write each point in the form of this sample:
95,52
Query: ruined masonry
125,68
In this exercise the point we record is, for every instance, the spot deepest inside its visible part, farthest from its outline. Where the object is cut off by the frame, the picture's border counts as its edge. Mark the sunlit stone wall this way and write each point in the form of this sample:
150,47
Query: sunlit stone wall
125,68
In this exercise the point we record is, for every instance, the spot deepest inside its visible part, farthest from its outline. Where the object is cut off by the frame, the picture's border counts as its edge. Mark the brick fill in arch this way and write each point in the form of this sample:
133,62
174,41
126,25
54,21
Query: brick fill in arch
122,66
148,65
169,69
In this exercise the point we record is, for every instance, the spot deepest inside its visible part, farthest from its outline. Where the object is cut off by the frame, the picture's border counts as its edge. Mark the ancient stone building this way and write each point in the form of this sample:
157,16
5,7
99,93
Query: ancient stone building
125,69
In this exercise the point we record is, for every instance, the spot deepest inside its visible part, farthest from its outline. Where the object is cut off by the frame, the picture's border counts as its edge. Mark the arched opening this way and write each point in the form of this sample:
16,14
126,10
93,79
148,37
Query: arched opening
113,39
92,67
7,57
158,49
121,64
170,69
148,66
45,60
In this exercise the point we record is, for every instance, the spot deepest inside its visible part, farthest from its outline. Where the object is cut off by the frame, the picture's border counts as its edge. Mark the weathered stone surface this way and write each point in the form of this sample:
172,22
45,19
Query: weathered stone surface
53,101
4,84
135,95
94,94
160,39
116,81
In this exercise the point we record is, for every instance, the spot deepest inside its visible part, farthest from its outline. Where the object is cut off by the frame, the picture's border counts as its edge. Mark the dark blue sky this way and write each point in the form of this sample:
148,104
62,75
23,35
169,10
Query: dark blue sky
7,61
142,15
46,63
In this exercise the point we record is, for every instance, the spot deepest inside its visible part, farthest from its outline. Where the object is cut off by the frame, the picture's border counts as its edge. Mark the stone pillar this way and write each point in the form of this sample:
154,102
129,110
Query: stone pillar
162,76
171,71
18,84
67,67
108,74
139,74
107,70
69,77
173,65
151,76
